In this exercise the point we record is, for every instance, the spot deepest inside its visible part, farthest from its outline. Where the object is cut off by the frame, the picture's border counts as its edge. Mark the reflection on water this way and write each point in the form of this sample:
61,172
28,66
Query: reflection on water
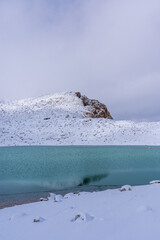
31,172
91,179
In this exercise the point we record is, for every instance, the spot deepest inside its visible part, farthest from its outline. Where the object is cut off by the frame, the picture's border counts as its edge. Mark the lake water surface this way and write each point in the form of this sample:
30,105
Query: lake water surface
28,172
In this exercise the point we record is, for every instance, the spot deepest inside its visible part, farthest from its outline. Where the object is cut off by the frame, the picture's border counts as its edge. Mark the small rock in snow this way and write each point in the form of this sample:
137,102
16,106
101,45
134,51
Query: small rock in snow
43,199
39,219
126,188
82,217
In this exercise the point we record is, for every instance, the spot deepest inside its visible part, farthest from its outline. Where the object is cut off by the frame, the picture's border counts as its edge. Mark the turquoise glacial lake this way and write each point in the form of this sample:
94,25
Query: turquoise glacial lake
28,172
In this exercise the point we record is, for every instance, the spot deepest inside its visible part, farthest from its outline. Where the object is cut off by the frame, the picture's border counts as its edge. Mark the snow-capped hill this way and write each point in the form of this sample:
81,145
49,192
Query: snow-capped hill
69,119
70,103
60,101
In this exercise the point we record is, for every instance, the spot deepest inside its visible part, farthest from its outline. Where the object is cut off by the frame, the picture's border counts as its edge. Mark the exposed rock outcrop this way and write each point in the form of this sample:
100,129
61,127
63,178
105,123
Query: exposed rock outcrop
94,108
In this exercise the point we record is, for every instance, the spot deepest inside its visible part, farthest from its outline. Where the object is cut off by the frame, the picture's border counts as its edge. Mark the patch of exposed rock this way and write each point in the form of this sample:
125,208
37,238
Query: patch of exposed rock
94,108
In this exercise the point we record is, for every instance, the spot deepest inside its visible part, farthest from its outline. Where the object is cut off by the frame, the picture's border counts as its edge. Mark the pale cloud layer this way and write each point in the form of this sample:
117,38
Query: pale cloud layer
106,49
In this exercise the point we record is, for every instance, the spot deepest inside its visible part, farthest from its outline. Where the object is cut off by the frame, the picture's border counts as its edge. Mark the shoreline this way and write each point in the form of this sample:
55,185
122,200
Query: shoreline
25,198
15,201
130,214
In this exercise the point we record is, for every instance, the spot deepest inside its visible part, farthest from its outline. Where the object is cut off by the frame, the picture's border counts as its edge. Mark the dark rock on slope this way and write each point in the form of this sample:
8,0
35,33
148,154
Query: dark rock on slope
94,108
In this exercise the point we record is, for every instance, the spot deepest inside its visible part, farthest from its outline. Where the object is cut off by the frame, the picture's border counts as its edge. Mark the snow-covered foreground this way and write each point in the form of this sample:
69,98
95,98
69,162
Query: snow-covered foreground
60,119
111,214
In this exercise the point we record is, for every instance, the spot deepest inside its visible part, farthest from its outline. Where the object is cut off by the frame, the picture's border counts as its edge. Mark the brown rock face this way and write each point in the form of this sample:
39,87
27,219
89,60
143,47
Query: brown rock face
95,108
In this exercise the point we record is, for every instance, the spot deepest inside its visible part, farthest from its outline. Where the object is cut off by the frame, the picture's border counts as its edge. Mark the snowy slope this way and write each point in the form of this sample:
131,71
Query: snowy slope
110,214
60,119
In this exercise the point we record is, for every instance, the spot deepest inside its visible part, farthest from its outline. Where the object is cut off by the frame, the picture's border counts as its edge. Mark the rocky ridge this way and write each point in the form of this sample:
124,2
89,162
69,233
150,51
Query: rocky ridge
96,109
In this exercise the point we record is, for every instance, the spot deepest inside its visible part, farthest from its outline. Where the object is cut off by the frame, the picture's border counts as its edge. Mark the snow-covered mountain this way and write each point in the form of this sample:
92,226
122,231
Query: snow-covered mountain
66,119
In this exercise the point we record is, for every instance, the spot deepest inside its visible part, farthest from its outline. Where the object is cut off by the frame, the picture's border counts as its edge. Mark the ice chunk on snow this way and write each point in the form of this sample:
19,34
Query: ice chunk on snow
51,196
69,195
155,181
126,188
58,198
55,198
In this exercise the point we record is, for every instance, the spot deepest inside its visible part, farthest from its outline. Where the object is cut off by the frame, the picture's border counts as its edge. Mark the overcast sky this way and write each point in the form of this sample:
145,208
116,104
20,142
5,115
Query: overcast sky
106,49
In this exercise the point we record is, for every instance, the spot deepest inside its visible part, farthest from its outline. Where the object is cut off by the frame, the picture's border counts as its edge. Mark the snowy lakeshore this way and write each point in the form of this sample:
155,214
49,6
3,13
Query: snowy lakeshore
79,120
111,214
129,212
62,119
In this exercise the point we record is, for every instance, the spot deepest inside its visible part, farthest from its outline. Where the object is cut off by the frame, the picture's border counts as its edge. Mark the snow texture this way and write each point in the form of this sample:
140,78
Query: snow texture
109,214
59,119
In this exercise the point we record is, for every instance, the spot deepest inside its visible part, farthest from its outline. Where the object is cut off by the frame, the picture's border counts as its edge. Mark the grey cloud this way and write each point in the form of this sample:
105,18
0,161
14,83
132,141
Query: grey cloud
108,50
